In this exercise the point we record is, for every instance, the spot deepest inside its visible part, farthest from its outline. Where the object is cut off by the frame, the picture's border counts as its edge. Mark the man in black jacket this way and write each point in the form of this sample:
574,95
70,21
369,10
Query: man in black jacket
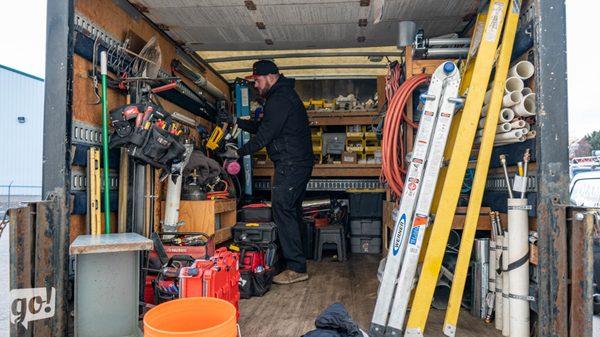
285,132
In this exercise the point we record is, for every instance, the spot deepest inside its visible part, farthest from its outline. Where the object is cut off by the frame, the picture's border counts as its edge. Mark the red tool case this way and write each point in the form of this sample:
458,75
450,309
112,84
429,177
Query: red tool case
203,251
159,287
252,260
217,277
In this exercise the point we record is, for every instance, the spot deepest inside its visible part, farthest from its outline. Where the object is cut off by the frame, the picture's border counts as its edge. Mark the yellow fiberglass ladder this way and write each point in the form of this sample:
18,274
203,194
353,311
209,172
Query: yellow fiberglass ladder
501,19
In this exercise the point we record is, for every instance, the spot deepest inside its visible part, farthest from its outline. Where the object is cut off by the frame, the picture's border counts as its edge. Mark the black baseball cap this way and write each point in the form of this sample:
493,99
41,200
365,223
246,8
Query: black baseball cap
263,67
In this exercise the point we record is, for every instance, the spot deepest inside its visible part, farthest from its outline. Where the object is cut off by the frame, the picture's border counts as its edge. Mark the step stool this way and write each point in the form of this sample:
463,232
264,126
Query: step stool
331,234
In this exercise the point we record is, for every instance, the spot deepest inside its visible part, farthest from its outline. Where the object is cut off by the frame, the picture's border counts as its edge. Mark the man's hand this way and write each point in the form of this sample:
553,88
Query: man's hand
225,117
230,152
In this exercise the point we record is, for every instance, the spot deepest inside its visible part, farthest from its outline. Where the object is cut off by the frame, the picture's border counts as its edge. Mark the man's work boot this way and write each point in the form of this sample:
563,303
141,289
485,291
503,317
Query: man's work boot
289,277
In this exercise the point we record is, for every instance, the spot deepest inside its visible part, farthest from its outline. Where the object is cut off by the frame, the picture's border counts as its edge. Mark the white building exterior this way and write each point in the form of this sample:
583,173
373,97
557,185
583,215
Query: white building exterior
21,133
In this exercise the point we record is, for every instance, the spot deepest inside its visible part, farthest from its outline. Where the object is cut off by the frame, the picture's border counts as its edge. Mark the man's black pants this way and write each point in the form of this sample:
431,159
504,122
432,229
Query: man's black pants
289,187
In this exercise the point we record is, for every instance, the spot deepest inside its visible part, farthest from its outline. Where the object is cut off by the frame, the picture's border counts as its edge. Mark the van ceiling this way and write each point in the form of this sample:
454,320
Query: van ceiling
307,64
299,24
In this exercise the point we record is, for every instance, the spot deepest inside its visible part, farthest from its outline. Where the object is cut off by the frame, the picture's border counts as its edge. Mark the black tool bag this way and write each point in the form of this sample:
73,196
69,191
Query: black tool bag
255,213
144,140
255,283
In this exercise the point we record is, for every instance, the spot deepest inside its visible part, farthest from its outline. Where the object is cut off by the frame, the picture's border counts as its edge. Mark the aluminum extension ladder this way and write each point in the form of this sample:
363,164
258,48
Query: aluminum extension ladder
440,103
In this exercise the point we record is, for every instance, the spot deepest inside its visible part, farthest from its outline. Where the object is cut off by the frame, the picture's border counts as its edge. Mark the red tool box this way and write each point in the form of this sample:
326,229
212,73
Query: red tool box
167,257
217,277
252,260
174,247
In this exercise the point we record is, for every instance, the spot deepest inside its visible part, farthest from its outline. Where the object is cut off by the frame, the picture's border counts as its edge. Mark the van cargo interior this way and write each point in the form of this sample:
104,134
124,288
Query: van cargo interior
404,218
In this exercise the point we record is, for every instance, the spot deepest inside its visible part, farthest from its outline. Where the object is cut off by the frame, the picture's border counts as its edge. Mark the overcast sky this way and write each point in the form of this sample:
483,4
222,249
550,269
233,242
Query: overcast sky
23,27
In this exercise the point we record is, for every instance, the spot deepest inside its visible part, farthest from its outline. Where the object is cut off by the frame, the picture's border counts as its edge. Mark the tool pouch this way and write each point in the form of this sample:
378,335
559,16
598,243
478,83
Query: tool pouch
154,145
174,154
158,142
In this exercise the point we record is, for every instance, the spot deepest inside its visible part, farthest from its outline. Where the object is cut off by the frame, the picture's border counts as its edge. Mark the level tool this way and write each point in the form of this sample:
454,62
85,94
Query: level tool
93,191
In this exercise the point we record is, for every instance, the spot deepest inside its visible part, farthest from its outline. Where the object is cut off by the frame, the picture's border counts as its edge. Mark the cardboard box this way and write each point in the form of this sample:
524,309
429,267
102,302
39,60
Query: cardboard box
349,157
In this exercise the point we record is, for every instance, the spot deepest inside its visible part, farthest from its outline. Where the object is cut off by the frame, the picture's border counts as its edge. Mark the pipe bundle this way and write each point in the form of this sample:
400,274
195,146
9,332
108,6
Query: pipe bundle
508,294
518,107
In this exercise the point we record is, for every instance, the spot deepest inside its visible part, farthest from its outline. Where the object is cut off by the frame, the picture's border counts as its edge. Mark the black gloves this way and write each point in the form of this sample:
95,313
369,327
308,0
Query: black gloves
225,117
230,152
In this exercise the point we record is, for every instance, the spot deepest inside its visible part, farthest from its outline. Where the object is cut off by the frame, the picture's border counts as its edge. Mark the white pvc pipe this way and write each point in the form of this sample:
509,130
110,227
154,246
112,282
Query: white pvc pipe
518,247
487,97
173,197
527,106
526,91
512,99
504,127
492,267
501,128
505,289
510,141
484,110
527,126
522,70
482,122
513,84
499,283
503,117
512,134
518,124
506,115
530,135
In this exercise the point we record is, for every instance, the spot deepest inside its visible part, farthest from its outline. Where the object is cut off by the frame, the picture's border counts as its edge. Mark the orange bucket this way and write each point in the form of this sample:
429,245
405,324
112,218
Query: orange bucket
194,316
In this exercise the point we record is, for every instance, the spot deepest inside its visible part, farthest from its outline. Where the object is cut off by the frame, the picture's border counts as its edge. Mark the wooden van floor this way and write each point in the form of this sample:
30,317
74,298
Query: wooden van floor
290,310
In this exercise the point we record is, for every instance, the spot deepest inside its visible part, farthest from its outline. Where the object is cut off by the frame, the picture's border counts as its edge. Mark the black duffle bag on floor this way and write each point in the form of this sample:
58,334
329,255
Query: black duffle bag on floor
255,283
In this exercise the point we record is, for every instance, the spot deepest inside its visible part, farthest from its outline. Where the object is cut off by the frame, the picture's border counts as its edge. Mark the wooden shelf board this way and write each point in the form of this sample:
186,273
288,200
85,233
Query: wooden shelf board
329,170
342,120
225,205
334,113
223,234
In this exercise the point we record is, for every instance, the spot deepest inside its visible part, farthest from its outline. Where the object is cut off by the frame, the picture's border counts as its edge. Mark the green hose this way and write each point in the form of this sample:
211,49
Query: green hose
103,71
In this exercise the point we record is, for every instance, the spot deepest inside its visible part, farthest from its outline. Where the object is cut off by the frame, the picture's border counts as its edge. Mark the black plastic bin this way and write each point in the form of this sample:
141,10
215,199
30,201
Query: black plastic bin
366,204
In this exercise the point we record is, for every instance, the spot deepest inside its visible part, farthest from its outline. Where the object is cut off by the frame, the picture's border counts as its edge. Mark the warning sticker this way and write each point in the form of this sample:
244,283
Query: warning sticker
420,221
245,97
414,233
516,6
494,22
476,39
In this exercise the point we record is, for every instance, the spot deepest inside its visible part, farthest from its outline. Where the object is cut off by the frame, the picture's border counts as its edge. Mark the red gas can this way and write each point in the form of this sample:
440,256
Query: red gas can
217,277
